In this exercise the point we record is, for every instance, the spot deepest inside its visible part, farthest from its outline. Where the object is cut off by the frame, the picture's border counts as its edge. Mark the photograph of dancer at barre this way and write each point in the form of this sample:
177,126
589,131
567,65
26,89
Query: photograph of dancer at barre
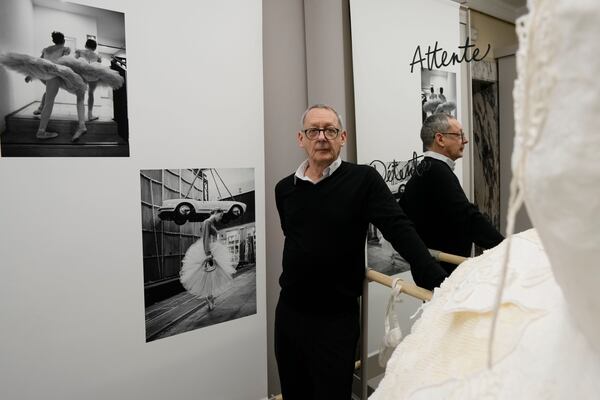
325,208
436,203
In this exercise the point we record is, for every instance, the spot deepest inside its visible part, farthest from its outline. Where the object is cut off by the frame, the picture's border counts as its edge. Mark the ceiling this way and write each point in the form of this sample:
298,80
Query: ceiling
508,10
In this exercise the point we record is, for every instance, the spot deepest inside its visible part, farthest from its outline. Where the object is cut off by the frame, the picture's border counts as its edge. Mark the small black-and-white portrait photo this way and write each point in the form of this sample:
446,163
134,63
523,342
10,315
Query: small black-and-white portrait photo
199,248
63,80
438,93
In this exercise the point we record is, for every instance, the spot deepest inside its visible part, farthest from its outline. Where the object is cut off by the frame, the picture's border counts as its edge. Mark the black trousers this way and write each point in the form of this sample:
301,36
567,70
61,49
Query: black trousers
315,353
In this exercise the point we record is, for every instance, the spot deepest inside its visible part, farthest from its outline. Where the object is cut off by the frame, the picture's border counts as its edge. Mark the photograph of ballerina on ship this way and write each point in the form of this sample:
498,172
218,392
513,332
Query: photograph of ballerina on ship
63,74
199,248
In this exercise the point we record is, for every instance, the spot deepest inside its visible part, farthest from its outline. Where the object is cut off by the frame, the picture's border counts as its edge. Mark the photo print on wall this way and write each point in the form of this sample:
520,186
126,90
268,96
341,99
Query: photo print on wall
199,248
64,92
438,93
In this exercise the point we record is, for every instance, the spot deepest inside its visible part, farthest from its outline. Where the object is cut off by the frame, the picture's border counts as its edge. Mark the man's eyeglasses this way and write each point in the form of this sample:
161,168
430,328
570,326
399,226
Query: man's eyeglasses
460,134
313,133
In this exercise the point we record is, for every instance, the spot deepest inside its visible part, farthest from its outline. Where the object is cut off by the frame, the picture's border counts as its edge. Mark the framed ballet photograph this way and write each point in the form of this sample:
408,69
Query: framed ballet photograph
199,248
63,74
438,93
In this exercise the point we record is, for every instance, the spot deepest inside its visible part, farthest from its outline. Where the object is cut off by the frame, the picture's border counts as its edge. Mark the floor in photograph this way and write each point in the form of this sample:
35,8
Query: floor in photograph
102,137
185,312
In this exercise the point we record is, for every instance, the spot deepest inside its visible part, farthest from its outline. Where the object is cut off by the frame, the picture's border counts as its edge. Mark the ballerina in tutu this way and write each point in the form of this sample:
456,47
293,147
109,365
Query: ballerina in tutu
93,73
89,54
50,53
207,268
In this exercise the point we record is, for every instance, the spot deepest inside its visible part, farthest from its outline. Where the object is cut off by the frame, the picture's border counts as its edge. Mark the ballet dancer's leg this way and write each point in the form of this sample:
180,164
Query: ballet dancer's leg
209,268
92,87
210,300
41,107
81,129
49,96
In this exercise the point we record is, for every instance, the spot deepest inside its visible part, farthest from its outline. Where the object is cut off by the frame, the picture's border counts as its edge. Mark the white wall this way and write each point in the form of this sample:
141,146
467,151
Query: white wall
385,35
71,293
16,35
71,25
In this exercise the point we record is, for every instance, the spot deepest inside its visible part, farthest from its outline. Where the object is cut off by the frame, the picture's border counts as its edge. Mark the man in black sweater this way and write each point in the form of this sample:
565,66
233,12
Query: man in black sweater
325,208
434,200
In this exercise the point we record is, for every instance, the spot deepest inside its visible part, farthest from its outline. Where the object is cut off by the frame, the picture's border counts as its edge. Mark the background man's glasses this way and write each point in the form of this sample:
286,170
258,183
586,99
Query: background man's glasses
313,133
460,134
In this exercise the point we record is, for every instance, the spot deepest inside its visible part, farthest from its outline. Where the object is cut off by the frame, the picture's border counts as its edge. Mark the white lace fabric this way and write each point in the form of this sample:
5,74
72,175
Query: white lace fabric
449,342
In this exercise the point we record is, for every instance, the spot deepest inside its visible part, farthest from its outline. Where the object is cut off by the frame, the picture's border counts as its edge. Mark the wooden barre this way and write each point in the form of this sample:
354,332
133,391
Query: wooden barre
410,288
445,257
407,287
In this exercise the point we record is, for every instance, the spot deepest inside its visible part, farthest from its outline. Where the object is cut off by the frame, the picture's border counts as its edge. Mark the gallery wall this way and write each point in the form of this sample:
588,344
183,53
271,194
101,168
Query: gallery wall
72,287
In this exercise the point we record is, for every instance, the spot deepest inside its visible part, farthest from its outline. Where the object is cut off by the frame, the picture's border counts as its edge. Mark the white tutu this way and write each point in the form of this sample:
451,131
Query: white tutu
445,108
196,280
44,70
93,72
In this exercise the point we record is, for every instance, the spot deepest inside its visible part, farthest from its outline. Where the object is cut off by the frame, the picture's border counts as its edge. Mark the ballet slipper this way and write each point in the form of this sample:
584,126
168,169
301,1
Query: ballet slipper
37,112
45,135
78,134
92,118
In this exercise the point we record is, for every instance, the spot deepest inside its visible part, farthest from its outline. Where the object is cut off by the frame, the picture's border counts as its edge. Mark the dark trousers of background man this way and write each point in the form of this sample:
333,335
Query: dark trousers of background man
315,353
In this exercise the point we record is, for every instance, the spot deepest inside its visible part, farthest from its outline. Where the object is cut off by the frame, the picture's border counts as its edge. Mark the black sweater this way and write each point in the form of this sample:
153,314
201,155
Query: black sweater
445,219
325,227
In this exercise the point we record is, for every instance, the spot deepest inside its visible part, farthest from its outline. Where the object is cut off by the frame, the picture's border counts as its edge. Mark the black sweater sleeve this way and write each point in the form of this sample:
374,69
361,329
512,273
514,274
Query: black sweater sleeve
385,213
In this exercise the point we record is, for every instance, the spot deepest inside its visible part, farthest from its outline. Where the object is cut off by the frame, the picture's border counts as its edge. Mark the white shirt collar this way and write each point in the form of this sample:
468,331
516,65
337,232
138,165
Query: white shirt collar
440,157
300,172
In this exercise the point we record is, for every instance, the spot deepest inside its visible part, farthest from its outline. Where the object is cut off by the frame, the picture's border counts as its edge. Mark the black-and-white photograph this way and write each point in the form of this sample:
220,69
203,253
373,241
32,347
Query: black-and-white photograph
63,74
381,256
199,248
438,93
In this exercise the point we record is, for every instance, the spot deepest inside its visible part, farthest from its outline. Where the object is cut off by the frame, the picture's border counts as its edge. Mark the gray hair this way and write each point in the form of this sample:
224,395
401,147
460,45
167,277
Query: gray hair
325,107
433,124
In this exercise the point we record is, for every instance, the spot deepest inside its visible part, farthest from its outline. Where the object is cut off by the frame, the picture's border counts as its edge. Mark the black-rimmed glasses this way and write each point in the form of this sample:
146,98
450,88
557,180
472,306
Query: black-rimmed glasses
329,132
460,134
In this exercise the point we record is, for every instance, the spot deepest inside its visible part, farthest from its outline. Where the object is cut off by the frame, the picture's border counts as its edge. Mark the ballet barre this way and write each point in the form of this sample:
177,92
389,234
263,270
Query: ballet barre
408,288
449,258
405,287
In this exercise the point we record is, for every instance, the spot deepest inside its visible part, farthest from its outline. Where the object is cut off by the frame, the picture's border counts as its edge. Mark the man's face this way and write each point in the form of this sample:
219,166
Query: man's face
454,143
321,151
